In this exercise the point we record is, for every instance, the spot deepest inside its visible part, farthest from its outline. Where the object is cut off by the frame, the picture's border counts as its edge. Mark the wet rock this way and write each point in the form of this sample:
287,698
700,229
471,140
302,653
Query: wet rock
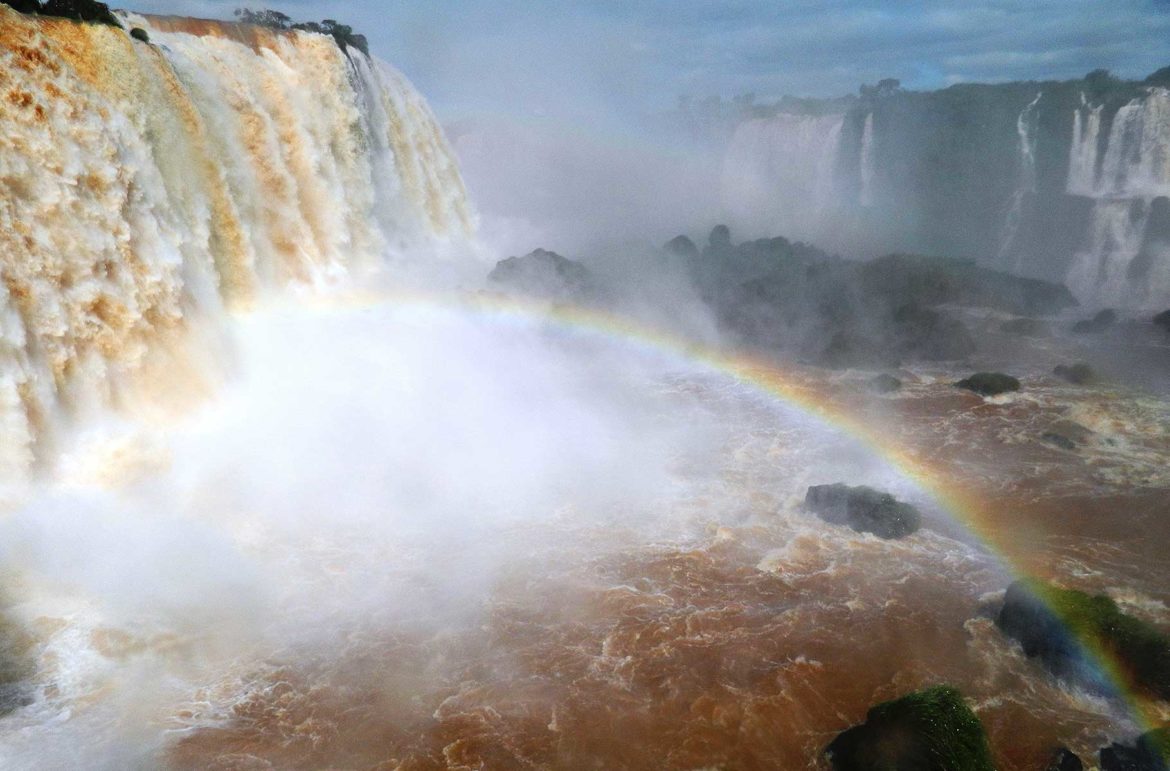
1064,759
1067,434
930,730
929,335
864,509
1098,323
1151,752
1077,374
1024,327
138,33
1058,626
545,274
852,349
884,384
1162,321
989,383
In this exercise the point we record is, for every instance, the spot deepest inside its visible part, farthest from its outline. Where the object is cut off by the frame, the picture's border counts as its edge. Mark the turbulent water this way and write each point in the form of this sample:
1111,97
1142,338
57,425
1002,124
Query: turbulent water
375,529
145,188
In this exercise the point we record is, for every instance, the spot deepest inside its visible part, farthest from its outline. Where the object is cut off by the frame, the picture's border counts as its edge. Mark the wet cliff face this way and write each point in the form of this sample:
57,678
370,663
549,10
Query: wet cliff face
1053,180
146,186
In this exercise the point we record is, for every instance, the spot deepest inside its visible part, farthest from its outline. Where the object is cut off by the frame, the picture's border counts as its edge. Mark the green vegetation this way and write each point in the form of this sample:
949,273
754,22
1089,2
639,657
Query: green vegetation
1058,625
930,730
78,10
342,33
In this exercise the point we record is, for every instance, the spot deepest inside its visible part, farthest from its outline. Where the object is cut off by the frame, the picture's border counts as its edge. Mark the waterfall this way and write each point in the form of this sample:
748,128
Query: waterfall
1123,260
145,188
778,173
867,162
1025,184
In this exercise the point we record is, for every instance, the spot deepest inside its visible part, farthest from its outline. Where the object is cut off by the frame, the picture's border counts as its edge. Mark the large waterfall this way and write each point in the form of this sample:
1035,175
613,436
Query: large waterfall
1125,259
778,173
145,187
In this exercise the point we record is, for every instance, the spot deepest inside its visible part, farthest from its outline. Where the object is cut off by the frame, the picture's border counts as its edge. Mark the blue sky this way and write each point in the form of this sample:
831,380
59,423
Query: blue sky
607,56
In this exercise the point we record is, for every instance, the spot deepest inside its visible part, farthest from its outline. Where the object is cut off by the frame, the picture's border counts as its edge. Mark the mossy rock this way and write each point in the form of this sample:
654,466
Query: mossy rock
1062,626
989,383
930,730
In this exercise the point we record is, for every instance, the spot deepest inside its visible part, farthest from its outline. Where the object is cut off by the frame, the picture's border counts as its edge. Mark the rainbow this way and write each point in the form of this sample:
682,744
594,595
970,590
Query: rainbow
797,387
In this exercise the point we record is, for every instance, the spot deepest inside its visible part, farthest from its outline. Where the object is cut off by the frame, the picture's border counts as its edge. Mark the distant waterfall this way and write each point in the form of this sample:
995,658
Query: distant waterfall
144,187
1124,260
778,173
1026,182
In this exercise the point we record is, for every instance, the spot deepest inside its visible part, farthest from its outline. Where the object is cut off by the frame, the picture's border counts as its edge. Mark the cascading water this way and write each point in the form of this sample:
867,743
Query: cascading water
144,187
1122,262
1026,185
778,173
867,162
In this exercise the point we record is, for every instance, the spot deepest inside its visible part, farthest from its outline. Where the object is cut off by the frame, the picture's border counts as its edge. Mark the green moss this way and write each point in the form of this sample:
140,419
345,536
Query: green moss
1097,622
930,730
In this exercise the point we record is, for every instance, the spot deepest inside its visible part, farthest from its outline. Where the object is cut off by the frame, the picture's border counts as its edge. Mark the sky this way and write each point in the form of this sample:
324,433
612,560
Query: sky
575,58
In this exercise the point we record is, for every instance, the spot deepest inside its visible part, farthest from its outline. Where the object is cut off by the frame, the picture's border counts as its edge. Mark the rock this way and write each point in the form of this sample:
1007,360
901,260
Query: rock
1058,625
850,349
927,334
1078,374
884,384
543,274
989,383
1025,327
1067,434
720,238
1151,752
683,247
1098,323
1162,321
930,730
864,509
1064,759
138,33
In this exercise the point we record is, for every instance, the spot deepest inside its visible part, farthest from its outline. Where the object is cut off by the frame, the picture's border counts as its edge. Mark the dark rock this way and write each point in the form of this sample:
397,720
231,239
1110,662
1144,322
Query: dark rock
1098,323
1078,374
720,238
683,247
1059,625
1025,327
1162,320
884,384
926,334
989,383
1067,435
930,730
864,509
1151,752
850,349
1064,759
78,10
1058,440
542,273
138,33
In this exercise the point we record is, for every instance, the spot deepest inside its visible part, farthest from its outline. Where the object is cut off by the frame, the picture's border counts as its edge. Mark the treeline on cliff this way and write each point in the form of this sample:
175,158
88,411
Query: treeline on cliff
342,33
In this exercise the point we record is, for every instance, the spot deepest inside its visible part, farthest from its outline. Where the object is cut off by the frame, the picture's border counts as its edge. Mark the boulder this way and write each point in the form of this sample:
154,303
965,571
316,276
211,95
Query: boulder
720,238
884,384
930,730
1059,625
1098,323
138,33
864,509
1067,434
1162,321
1077,374
1064,759
848,348
545,274
929,335
989,383
1150,752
